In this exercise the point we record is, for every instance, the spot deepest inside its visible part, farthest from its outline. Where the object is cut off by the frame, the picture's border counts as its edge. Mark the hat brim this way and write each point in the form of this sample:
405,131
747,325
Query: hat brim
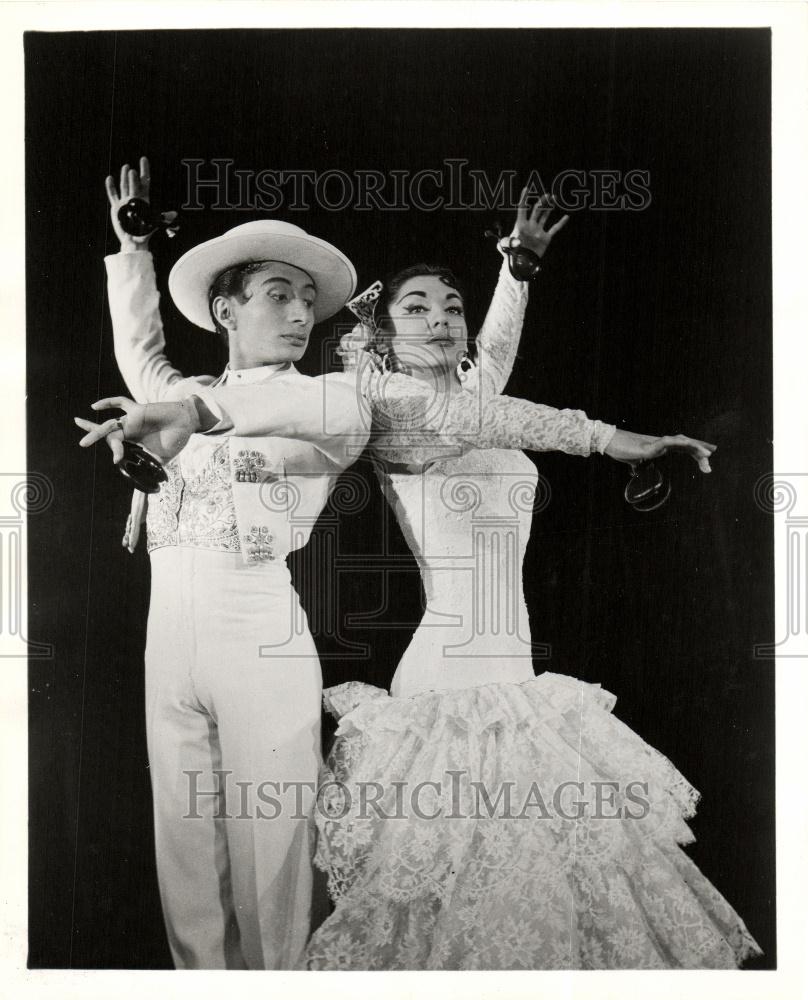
191,277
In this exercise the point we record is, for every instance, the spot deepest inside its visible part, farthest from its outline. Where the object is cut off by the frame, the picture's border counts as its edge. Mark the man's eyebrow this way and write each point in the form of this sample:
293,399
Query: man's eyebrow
286,281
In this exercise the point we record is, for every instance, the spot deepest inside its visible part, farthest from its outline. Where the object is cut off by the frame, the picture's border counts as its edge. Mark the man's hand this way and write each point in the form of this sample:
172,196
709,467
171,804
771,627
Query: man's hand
162,428
626,446
530,229
133,184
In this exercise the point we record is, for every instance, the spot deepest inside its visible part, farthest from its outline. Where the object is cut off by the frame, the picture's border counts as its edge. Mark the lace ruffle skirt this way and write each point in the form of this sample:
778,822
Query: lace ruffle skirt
509,826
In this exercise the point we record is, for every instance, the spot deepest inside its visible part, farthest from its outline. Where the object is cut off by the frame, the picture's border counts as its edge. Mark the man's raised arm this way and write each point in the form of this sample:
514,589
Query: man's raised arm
134,302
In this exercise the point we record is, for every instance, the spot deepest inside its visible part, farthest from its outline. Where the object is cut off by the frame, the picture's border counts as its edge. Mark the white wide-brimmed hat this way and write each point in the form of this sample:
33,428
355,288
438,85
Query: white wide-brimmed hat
267,239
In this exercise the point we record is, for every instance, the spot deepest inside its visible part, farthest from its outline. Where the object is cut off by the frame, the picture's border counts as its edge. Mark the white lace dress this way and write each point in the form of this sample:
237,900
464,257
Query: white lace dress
478,816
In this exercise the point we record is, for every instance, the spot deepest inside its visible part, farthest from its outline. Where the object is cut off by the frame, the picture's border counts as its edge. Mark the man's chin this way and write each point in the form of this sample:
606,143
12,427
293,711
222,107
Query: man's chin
287,352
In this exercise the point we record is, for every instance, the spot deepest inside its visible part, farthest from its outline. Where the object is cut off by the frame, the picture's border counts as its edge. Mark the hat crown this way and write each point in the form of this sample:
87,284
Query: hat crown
262,239
265,227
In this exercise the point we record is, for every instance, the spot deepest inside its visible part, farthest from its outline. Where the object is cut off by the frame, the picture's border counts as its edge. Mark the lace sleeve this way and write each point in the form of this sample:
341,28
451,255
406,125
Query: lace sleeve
408,414
498,339
506,422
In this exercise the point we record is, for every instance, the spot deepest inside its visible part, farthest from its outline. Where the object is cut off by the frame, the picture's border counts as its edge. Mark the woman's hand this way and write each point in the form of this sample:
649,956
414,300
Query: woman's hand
352,347
531,229
162,428
133,184
626,446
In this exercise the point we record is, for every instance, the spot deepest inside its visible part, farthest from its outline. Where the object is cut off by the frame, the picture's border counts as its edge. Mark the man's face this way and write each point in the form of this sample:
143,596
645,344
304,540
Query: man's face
272,320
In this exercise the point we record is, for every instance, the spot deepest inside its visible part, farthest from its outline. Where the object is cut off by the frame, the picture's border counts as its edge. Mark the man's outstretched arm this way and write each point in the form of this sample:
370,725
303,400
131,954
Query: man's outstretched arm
327,412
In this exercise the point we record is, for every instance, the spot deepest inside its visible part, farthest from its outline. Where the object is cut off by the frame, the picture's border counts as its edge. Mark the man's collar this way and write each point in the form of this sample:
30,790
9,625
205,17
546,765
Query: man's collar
248,376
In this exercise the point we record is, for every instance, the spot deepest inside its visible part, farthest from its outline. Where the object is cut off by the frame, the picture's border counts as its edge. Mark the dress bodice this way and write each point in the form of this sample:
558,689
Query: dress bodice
459,512
467,522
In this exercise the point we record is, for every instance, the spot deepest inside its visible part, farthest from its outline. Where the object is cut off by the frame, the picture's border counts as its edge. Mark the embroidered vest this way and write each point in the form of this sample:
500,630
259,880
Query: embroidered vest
239,498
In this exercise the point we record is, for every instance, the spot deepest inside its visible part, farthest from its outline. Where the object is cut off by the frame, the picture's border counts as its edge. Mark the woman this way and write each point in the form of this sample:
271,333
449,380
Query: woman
462,819
480,817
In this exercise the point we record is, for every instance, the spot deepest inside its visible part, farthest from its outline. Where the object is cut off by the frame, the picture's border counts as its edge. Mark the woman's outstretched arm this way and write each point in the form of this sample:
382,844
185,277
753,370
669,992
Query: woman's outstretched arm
506,422
409,415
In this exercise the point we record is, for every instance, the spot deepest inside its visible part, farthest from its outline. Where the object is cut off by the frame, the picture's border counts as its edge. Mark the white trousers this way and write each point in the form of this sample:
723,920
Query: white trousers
228,729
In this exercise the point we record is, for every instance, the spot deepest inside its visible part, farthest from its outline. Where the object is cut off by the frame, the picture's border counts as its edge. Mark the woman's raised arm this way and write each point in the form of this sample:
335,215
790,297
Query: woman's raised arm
498,340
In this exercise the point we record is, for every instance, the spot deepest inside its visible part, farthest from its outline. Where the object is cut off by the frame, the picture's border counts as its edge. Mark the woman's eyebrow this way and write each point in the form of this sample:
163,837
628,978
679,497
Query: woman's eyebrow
422,294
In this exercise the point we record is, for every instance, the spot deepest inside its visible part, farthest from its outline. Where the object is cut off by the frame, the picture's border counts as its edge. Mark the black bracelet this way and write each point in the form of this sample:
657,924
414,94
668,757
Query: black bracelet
523,264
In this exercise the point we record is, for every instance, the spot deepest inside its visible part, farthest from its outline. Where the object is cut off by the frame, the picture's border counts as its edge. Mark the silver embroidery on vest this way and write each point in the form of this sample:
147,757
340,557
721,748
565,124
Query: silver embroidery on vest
258,544
248,464
197,512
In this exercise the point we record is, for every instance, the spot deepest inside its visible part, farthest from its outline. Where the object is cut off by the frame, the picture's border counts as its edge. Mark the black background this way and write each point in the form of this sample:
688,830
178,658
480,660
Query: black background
659,321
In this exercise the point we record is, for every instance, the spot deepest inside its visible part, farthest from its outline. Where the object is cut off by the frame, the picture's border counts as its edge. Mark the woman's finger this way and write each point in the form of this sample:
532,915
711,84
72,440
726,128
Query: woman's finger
699,451
543,206
134,183
682,441
116,403
521,209
124,185
558,225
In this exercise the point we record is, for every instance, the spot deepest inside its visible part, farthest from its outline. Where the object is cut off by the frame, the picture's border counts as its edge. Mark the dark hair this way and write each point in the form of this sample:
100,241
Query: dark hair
394,283
392,286
230,283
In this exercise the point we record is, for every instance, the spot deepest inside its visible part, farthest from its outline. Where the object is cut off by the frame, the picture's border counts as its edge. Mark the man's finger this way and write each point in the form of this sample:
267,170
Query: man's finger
124,186
134,183
145,174
114,403
112,191
96,432
94,435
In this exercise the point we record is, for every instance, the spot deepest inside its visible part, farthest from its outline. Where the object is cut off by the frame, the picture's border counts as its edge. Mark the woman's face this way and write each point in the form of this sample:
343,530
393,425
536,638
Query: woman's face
428,325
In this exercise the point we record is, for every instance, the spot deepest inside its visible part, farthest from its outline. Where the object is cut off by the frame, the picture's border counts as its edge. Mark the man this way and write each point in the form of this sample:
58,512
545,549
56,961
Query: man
230,730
